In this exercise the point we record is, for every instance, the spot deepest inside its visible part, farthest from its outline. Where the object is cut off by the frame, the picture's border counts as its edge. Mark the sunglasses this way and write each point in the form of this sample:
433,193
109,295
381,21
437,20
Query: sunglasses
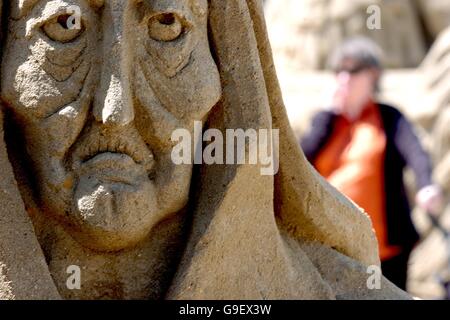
354,70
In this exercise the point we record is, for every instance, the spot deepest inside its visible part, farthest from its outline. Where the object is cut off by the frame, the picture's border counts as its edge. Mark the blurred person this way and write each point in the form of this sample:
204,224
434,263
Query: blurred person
362,146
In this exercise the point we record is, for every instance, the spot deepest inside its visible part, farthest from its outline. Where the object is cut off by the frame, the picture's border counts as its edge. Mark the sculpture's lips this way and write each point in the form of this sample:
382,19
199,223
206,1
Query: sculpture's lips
127,150
113,167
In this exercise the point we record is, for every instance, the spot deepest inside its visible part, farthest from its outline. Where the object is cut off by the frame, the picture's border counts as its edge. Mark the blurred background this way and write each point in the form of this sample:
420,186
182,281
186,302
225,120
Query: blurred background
415,37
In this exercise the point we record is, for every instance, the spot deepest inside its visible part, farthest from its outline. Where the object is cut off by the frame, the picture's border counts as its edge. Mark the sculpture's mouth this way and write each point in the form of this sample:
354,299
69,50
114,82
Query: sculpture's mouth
113,168
121,155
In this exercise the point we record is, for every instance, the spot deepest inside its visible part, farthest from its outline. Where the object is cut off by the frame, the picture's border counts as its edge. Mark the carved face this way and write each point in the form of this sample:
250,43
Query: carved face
97,103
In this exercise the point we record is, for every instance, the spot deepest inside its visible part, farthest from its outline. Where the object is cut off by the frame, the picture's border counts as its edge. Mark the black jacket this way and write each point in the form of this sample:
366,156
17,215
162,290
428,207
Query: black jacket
402,149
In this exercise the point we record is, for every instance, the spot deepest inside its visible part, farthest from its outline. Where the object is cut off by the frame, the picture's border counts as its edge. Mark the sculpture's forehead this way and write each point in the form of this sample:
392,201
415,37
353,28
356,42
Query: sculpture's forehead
19,8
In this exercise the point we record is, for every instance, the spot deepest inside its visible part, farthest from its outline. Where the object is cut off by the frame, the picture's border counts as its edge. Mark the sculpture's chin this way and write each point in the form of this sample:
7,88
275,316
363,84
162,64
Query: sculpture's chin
110,205
109,215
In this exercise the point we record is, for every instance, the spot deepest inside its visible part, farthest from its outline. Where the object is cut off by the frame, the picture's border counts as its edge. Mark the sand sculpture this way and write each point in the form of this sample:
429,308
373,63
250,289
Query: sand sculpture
87,179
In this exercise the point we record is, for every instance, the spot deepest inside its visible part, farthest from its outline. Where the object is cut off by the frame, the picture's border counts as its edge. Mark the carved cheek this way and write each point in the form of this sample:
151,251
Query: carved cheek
45,70
197,88
38,85
186,81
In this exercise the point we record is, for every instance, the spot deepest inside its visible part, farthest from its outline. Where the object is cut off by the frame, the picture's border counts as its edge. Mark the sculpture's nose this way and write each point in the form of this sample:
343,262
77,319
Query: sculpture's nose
114,106
113,103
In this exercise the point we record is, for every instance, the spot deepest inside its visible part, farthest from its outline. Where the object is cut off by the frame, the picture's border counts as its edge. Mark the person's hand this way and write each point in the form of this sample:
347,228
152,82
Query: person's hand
430,199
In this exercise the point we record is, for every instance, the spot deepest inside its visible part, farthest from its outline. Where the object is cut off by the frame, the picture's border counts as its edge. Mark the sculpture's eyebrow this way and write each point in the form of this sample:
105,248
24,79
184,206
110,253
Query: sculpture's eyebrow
96,3
26,5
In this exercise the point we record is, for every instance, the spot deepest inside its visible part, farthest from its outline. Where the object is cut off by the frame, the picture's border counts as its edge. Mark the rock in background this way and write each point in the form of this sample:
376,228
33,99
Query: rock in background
435,15
430,262
417,81
303,32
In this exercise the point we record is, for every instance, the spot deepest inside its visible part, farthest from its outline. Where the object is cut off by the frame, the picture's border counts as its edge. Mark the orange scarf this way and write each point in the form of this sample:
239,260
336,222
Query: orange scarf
353,162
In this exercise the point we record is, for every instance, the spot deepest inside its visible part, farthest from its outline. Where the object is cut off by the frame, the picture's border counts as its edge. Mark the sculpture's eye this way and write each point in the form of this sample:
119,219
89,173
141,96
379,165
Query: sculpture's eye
63,28
166,27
